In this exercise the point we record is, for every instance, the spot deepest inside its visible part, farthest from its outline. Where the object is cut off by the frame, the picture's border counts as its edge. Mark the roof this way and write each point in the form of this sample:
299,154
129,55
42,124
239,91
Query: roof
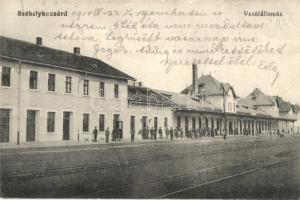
143,95
182,101
31,52
284,106
243,102
258,98
243,106
211,86
296,108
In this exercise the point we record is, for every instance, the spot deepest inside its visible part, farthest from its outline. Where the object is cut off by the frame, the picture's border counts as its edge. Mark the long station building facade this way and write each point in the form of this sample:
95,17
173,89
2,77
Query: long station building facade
52,95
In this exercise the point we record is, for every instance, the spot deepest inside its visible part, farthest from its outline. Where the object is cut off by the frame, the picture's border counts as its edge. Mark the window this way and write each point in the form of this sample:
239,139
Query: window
144,122
233,107
132,122
50,121
33,80
116,91
101,89
68,84
51,82
166,122
86,87
85,127
101,122
5,80
229,106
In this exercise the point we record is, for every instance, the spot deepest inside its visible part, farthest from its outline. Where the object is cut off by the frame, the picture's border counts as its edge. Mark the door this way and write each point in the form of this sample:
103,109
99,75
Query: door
144,123
4,125
186,124
132,122
31,125
120,129
118,126
66,125
155,123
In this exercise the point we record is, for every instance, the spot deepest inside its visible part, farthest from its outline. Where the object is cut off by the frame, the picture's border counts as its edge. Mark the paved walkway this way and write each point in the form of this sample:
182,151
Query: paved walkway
102,142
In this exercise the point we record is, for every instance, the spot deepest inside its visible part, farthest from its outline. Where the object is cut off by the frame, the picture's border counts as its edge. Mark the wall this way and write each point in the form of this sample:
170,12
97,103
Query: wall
43,101
217,101
150,112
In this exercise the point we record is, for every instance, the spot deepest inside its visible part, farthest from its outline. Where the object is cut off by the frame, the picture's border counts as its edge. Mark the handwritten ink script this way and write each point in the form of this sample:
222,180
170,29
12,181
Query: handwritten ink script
176,37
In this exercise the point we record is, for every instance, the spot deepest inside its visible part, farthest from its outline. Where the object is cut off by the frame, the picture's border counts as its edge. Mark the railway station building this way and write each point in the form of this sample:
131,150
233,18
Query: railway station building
53,95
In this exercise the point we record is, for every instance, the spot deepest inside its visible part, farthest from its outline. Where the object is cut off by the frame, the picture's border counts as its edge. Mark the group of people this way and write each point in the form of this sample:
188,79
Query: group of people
175,133
150,133
107,134
171,133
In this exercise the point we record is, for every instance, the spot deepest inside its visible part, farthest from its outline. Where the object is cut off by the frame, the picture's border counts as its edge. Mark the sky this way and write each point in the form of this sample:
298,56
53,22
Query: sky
147,68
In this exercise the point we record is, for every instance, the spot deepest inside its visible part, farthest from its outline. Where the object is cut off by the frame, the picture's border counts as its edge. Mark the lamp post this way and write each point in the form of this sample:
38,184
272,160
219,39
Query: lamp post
224,111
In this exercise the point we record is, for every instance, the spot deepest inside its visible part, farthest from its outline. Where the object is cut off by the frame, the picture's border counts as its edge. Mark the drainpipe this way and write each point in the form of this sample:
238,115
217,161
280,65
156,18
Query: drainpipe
18,113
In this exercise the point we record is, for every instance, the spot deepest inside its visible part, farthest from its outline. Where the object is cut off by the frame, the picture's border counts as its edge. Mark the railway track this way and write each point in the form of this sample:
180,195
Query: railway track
238,167
174,194
215,172
35,173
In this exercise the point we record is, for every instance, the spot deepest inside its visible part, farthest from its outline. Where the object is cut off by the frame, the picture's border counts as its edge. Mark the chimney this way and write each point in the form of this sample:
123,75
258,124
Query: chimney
77,50
39,41
195,79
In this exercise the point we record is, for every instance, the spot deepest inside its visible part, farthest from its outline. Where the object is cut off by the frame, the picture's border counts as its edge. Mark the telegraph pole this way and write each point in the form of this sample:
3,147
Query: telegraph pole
224,111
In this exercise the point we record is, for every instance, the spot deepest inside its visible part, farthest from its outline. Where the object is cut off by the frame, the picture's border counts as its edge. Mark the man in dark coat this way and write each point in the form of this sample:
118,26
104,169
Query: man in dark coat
107,133
155,134
181,132
171,133
160,133
176,132
152,133
132,132
147,132
167,133
95,133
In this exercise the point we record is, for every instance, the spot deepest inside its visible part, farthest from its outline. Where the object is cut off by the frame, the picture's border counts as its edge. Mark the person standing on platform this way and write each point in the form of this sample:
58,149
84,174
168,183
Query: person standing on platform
132,132
171,133
160,133
176,132
147,132
181,132
152,133
197,133
167,133
95,133
107,133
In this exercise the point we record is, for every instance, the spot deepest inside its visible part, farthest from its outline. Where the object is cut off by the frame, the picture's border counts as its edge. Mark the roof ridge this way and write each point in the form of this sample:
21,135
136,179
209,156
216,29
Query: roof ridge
18,49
